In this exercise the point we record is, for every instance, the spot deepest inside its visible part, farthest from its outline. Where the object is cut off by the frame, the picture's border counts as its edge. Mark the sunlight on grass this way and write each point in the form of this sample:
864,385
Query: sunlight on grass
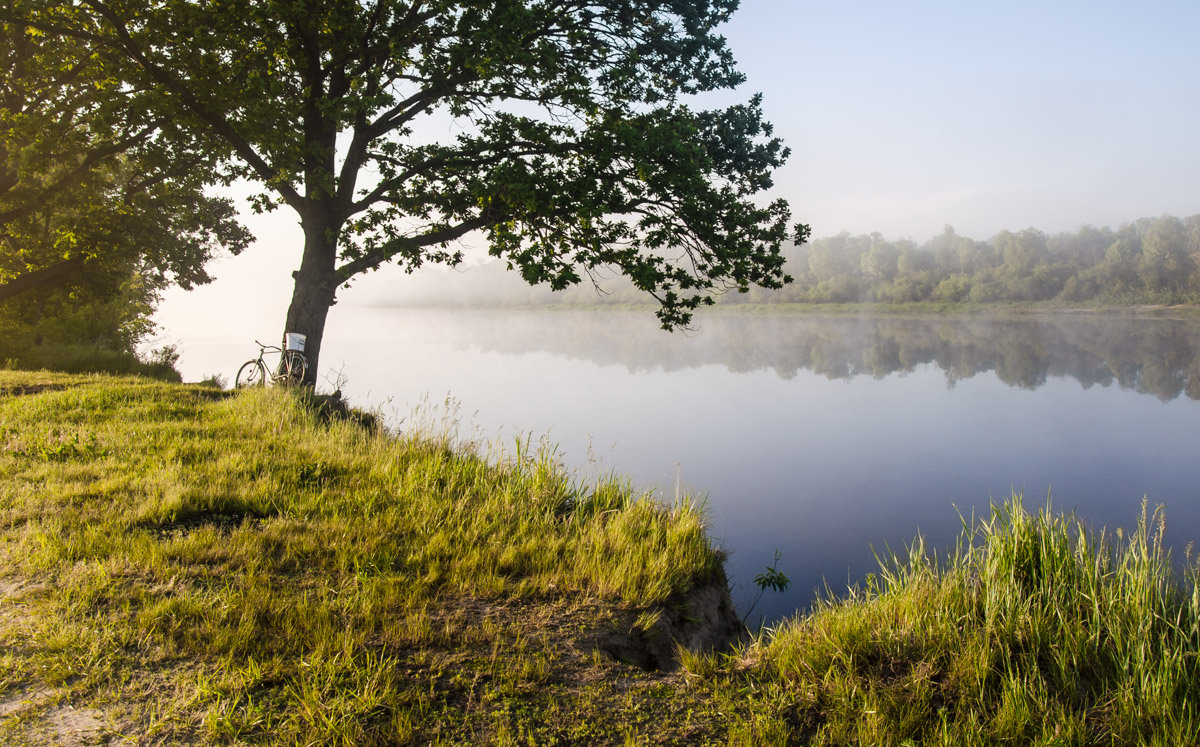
289,559
246,568
1035,629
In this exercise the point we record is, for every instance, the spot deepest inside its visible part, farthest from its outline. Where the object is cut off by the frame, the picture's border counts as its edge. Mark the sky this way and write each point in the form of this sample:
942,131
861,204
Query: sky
907,117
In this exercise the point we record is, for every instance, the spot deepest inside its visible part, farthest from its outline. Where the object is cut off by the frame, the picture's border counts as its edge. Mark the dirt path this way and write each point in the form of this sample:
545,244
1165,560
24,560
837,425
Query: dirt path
40,716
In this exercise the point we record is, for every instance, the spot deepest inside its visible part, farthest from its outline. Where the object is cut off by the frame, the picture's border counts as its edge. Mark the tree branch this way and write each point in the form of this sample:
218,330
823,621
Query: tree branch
92,159
219,124
46,276
401,244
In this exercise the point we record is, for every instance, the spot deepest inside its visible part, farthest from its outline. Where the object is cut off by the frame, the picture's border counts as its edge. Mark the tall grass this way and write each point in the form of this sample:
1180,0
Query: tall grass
1034,630
279,571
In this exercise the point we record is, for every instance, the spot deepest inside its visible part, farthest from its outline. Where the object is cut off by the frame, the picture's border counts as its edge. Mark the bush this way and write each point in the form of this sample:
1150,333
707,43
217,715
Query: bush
90,359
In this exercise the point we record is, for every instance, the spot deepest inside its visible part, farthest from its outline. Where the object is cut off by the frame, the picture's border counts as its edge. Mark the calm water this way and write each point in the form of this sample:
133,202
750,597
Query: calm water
822,437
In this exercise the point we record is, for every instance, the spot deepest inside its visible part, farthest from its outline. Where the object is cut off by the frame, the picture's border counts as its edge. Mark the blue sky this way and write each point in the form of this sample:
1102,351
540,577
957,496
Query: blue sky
903,117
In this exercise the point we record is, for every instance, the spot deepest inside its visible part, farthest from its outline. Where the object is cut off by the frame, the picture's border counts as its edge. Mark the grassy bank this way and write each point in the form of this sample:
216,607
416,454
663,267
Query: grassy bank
1035,630
192,566
185,566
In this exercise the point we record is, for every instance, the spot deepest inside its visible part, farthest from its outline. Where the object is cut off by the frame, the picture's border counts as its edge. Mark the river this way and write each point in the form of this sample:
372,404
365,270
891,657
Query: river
825,438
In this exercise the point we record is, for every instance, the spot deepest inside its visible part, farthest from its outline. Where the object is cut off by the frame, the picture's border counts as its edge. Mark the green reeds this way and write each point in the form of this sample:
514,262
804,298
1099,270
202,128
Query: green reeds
1035,629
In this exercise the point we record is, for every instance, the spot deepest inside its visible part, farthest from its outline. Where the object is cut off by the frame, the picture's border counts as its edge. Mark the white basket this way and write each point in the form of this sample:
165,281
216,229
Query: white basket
294,341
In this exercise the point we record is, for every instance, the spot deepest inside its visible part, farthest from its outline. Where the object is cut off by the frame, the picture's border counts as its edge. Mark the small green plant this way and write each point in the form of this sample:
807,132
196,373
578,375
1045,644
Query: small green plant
771,579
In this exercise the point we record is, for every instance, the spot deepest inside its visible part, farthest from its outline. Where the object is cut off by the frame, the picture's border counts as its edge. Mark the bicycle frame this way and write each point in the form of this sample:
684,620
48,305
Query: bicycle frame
291,368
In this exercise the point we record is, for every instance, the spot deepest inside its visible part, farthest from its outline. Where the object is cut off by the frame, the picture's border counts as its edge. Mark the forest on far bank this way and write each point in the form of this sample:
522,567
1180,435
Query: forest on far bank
1147,261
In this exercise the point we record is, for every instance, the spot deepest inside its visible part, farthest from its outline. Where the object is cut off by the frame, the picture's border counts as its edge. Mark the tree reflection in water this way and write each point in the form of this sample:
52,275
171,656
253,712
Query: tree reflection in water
1148,355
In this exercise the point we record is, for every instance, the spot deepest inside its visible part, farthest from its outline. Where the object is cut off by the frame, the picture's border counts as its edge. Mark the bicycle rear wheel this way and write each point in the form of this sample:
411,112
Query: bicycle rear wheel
252,373
292,367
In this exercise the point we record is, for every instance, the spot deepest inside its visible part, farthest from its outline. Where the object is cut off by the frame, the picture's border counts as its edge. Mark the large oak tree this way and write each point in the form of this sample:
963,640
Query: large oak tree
559,130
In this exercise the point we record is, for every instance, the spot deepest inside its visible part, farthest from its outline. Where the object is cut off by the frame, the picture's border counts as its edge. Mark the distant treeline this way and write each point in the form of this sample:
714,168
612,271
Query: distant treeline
1151,260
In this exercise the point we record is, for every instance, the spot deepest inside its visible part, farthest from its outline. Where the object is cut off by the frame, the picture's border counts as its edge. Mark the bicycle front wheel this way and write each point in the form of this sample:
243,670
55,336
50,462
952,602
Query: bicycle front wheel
252,373
292,367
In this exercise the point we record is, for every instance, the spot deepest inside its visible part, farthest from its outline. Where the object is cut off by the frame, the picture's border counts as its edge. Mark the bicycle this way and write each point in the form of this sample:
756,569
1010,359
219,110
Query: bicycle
291,369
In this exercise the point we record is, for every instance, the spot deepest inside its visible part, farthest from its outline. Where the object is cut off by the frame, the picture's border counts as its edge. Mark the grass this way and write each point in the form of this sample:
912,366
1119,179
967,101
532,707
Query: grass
235,568
182,565
1035,630
88,359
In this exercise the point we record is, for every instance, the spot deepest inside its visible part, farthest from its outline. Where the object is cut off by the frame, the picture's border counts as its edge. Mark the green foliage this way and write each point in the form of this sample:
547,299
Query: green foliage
101,203
574,148
109,318
88,359
1152,260
772,578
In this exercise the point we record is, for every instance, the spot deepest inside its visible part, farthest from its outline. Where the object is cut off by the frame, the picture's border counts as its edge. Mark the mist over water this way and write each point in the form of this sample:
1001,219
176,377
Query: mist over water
823,437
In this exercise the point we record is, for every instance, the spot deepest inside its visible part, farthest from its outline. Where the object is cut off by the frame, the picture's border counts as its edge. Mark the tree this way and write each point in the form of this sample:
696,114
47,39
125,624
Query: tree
1165,266
557,129
879,262
94,189
1022,251
1118,270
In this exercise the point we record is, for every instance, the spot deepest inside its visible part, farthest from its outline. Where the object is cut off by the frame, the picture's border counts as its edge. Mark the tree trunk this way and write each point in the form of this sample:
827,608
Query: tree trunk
316,287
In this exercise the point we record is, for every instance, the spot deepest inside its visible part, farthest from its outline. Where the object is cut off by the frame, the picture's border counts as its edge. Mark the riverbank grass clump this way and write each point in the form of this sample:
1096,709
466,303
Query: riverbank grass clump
198,565
1034,630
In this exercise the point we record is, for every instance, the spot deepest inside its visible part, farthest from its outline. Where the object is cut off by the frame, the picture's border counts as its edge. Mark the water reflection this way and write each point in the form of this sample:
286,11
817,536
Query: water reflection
1160,357
824,437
